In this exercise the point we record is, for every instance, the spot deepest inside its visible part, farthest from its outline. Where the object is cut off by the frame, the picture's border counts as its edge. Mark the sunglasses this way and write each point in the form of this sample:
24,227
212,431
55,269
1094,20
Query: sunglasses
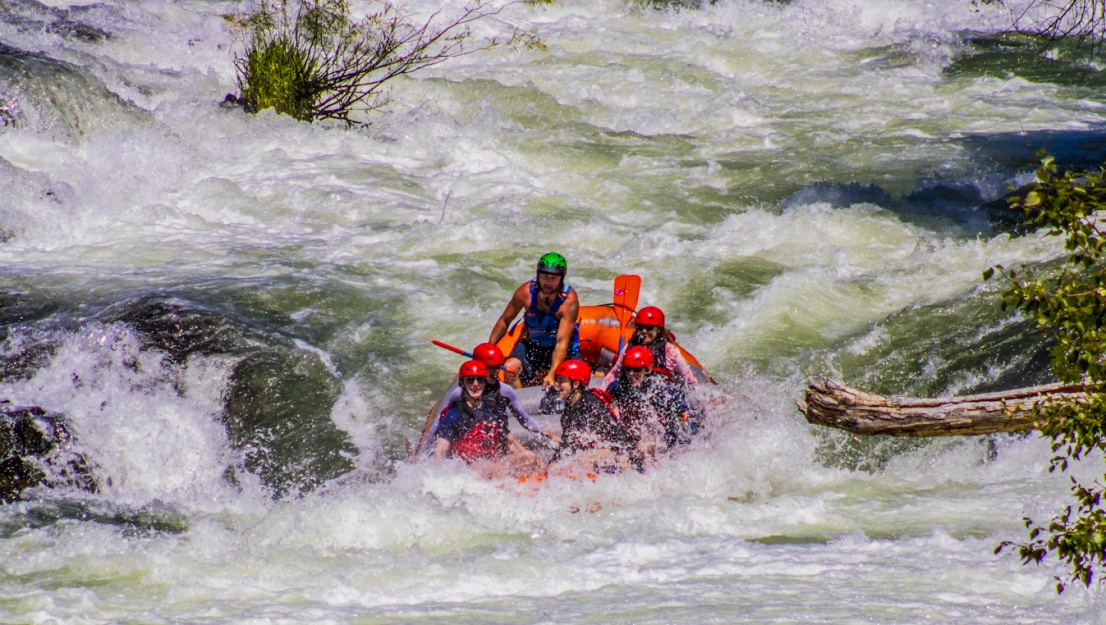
470,381
636,369
648,328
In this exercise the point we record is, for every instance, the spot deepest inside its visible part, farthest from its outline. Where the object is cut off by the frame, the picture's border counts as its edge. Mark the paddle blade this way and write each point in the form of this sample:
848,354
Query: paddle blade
627,289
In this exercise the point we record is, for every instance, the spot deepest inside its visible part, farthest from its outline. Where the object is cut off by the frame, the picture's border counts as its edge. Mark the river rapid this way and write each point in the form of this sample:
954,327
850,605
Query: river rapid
230,310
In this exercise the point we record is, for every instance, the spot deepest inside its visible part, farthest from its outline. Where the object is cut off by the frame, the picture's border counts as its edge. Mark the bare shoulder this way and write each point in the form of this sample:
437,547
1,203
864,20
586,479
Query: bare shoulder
522,295
571,307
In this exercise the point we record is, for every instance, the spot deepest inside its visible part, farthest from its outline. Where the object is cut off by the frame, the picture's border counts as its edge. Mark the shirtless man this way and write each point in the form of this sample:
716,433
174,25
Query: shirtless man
550,335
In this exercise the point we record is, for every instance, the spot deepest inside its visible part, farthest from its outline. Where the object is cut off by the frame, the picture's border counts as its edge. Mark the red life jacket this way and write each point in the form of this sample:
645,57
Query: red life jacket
604,397
480,443
486,439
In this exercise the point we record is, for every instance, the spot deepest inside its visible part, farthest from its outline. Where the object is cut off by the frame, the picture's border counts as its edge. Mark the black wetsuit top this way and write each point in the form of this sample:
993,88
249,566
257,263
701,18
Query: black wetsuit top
588,424
637,406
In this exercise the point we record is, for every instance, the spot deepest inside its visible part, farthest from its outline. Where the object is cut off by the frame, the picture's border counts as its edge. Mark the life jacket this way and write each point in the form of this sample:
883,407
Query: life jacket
635,408
485,433
655,397
541,328
589,423
604,397
659,350
492,394
660,357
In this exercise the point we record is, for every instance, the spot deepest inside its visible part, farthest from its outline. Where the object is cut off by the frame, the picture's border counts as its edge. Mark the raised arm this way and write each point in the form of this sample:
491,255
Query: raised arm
676,363
519,302
441,448
524,418
616,369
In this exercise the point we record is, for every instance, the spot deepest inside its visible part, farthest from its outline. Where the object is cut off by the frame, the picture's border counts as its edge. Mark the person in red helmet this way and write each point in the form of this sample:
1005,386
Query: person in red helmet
589,432
493,359
648,406
550,334
650,332
473,428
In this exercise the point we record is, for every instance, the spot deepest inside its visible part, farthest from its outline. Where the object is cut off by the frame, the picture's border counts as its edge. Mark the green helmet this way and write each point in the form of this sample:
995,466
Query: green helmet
553,263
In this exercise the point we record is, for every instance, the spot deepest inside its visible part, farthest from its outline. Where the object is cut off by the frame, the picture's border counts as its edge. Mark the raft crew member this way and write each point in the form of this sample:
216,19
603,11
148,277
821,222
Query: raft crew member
650,332
589,432
650,408
502,394
550,334
474,429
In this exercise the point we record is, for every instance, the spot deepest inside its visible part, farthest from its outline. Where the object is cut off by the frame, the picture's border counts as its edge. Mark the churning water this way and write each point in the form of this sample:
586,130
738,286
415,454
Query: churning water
230,309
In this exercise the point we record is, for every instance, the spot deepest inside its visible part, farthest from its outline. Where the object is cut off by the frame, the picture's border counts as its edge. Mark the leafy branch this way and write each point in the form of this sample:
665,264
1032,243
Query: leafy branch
1068,303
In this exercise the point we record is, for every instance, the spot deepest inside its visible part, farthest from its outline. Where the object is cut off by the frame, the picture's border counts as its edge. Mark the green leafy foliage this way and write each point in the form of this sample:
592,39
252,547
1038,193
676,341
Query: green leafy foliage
1068,303
277,78
311,60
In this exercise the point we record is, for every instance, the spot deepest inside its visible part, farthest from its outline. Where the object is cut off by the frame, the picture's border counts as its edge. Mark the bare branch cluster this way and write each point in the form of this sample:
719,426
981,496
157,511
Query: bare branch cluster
1082,20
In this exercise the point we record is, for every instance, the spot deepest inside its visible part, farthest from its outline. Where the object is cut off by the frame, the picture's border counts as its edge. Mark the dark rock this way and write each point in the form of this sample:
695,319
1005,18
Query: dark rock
77,30
839,195
232,101
36,449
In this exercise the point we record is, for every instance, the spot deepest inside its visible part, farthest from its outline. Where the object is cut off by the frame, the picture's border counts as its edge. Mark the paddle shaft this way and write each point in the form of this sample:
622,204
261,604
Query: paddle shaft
458,350
627,289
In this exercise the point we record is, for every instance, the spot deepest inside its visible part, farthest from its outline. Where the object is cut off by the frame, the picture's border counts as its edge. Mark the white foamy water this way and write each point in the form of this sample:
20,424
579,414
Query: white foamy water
710,151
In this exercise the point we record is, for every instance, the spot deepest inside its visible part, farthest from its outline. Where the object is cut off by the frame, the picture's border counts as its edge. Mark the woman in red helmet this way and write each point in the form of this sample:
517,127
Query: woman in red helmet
589,432
473,428
650,408
503,394
649,332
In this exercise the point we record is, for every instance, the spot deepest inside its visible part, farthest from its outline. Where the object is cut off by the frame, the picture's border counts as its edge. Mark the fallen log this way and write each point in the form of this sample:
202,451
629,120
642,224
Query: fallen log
835,405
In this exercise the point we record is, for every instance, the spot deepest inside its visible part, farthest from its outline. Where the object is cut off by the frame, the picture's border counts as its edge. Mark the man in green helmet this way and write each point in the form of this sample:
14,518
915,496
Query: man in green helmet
550,334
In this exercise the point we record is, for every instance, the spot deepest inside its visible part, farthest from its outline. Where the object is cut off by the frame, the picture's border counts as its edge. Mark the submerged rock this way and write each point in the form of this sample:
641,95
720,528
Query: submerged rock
47,95
838,195
36,449
278,399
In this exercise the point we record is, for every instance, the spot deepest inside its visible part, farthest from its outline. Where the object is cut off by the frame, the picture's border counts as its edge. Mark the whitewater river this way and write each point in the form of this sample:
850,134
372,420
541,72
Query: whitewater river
230,310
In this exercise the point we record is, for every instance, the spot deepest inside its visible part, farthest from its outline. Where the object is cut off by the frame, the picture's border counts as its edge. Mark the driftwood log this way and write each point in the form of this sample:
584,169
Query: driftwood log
835,405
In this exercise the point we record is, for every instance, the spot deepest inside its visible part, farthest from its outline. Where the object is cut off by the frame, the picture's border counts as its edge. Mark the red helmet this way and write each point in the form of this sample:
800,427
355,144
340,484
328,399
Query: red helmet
473,369
650,316
638,357
489,354
576,370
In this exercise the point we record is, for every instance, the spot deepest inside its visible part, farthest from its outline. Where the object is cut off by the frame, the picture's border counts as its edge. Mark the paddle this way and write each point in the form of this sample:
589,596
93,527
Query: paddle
627,289
458,350
451,348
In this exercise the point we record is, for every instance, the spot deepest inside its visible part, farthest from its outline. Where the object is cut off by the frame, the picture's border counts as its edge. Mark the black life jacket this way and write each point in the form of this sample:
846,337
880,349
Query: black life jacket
588,424
658,349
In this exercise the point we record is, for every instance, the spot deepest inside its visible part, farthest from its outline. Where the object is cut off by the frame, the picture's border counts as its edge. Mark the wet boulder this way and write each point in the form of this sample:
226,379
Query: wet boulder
36,449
